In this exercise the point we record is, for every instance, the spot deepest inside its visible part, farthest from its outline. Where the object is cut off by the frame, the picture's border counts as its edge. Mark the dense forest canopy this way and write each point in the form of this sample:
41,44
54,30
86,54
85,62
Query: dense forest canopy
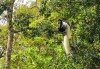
36,42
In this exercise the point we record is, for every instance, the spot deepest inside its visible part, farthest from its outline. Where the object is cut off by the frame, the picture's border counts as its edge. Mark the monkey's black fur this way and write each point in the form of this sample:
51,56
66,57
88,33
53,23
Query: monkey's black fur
61,28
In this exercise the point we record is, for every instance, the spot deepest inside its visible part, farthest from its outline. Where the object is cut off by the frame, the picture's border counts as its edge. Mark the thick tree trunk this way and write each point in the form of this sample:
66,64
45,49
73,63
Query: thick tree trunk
10,34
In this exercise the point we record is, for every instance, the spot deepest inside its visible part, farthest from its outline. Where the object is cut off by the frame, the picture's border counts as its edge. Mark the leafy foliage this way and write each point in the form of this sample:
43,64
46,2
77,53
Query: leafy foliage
39,46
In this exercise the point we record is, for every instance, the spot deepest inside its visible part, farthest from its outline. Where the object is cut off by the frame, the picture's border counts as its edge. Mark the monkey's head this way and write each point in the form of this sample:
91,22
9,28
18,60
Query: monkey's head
61,26
59,21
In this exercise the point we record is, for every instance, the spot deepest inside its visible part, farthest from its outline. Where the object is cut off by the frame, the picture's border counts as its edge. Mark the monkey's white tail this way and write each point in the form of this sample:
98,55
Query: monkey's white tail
66,45
66,40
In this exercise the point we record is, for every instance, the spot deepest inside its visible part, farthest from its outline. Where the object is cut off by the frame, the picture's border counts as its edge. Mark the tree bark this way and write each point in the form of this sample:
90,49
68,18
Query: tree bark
10,33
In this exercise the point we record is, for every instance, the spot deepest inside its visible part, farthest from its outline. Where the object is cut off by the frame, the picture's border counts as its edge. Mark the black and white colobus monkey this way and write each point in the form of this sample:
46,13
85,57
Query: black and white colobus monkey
65,28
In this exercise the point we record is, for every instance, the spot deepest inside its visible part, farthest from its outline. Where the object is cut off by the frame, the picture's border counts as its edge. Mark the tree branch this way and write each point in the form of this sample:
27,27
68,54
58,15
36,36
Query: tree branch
23,29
